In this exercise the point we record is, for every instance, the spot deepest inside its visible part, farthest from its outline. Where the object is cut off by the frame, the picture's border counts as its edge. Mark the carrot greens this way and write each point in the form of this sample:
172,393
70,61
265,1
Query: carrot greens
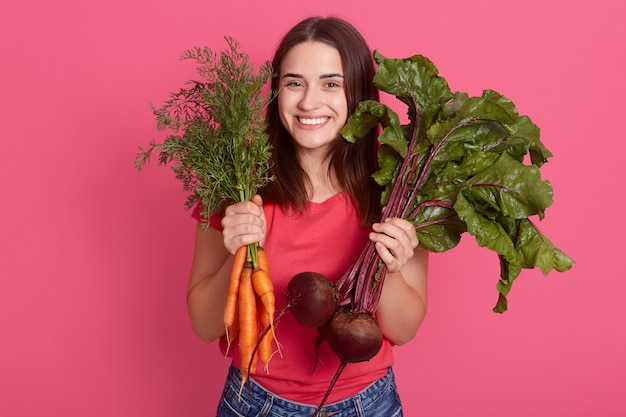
218,146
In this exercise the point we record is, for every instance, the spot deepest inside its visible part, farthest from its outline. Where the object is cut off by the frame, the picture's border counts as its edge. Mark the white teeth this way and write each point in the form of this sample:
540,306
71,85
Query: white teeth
316,121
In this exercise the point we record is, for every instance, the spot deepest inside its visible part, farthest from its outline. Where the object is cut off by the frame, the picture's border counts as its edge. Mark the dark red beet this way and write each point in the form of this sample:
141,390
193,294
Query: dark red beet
354,337
312,298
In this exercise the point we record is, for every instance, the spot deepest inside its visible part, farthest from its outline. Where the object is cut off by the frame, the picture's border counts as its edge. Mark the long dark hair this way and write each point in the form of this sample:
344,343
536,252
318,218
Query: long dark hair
352,163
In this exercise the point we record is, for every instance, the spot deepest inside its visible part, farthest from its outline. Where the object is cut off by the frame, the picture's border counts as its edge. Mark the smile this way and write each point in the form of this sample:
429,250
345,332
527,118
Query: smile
310,122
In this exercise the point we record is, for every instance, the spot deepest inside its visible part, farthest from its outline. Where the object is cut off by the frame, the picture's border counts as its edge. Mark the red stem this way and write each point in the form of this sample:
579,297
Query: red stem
362,284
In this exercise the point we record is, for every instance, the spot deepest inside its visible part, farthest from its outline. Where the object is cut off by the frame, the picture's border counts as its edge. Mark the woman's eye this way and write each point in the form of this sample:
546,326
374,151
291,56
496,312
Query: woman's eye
293,84
333,84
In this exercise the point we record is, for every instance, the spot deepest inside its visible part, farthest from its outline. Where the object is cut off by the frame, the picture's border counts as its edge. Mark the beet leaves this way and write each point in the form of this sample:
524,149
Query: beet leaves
460,164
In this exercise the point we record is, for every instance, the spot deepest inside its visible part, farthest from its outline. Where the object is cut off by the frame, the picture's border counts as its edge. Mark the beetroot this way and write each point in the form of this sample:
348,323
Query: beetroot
353,337
312,298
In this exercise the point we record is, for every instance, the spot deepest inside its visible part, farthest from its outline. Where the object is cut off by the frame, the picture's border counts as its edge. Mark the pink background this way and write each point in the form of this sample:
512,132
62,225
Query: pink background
94,256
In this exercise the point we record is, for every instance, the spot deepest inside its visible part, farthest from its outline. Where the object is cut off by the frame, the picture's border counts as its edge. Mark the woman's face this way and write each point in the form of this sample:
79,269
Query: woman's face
312,100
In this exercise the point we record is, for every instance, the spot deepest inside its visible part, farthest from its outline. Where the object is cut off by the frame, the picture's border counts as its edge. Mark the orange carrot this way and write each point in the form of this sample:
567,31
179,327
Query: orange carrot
235,275
233,330
265,344
262,259
247,323
264,290
262,282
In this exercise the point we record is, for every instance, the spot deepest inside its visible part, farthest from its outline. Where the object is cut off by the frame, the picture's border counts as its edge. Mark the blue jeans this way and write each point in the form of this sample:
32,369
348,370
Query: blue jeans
379,399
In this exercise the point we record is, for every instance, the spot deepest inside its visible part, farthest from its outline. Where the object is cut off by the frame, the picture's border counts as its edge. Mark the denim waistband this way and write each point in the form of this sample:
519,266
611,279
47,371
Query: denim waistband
255,396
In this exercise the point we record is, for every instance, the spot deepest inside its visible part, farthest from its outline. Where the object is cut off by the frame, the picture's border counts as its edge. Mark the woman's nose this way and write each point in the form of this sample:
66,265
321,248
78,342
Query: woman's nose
310,99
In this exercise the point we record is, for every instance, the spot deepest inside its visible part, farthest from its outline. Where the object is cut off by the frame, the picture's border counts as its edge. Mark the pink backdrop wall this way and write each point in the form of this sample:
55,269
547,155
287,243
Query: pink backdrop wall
94,256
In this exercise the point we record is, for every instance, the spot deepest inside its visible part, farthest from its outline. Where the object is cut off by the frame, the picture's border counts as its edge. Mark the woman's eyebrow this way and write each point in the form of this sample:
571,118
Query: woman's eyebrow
331,75
323,76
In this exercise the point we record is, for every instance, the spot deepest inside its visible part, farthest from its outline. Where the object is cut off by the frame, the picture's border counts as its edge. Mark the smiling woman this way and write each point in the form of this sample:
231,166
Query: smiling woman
350,165
94,256
317,215
312,98
313,109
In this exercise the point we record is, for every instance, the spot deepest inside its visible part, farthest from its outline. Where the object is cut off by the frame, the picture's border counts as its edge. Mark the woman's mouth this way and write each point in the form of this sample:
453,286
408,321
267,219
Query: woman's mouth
312,121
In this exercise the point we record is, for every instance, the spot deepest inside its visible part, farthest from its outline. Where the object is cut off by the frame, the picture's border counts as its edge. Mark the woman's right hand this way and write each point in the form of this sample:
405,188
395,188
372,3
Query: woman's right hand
243,223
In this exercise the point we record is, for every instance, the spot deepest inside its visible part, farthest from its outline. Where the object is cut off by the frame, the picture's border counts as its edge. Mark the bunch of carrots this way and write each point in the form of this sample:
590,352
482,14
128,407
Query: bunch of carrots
250,309
219,149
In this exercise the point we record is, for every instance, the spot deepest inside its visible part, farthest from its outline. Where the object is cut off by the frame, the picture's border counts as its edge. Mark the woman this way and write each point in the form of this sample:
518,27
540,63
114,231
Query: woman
317,216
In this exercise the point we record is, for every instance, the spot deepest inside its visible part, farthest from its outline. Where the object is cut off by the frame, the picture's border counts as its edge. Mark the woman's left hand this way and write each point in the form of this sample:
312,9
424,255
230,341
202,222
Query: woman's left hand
395,241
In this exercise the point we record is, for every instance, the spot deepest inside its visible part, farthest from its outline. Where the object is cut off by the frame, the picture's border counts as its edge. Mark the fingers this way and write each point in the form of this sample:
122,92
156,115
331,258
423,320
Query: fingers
243,223
257,200
397,232
395,241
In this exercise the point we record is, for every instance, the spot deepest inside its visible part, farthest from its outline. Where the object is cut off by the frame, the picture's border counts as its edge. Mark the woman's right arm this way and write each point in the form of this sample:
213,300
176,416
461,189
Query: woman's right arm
243,223
208,284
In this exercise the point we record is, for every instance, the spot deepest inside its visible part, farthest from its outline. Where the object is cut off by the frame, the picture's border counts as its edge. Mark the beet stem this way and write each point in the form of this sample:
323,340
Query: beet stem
332,384
361,285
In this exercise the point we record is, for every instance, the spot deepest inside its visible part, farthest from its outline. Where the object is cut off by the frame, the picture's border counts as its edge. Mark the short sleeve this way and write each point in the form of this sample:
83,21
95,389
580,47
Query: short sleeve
214,219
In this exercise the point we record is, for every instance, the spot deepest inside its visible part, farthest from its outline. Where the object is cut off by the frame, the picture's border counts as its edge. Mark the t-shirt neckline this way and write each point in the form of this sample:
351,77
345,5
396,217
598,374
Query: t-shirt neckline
329,201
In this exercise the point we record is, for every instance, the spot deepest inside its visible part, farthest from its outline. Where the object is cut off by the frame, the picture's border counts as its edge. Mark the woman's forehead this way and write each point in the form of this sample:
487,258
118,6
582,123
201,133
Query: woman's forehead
312,58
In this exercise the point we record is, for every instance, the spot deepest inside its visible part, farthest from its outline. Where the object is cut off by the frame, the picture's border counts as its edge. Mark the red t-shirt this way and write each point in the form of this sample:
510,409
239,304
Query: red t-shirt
327,238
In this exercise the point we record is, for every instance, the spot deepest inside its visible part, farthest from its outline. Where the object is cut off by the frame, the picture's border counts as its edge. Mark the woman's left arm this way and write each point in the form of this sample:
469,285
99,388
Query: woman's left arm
403,301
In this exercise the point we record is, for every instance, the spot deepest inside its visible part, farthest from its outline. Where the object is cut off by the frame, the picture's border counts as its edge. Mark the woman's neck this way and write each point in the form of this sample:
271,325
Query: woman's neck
323,183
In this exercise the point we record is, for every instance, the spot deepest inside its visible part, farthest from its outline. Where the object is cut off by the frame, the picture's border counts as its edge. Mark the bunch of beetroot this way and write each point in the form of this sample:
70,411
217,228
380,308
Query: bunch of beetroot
354,336
460,164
